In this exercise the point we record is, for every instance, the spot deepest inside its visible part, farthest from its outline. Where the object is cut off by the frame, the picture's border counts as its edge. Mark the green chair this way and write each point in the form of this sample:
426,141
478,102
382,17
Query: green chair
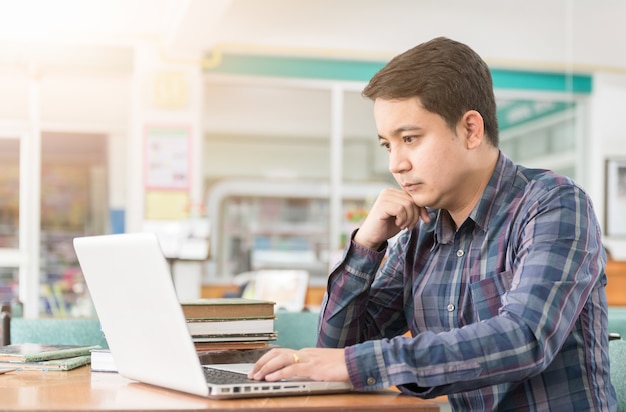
617,320
296,330
617,353
58,331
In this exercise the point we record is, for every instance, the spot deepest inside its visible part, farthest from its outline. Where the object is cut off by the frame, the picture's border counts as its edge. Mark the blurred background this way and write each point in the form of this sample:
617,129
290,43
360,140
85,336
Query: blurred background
235,129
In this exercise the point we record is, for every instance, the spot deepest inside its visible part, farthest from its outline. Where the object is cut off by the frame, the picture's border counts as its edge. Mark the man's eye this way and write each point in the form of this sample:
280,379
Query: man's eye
409,139
385,145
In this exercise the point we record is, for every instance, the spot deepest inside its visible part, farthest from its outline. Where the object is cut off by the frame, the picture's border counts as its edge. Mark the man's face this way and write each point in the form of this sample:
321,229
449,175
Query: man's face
426,158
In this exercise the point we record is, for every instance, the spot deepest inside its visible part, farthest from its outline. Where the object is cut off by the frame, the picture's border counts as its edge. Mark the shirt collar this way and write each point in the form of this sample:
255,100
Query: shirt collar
489,203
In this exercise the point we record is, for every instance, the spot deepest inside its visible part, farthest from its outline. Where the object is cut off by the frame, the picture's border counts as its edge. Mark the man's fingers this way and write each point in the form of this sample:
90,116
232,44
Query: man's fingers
272,362
406,213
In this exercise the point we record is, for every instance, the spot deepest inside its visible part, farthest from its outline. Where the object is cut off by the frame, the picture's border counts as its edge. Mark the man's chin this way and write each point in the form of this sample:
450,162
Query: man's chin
420,201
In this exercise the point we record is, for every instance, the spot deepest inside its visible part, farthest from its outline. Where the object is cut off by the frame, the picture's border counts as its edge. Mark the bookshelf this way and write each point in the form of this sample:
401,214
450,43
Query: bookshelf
278,224
72,202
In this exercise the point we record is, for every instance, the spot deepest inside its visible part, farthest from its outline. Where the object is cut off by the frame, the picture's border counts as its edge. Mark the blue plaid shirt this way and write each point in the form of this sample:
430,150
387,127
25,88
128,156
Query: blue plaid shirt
508,312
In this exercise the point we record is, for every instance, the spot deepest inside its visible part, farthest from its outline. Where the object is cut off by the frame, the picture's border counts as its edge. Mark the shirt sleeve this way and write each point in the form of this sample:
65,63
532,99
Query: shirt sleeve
556,262
348,315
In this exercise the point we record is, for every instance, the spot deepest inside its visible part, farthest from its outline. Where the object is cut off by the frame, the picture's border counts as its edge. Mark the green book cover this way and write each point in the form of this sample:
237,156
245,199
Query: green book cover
35,352
65,364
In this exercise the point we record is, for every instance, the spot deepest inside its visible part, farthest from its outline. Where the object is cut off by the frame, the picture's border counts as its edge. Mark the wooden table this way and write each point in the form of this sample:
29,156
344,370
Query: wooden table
82,390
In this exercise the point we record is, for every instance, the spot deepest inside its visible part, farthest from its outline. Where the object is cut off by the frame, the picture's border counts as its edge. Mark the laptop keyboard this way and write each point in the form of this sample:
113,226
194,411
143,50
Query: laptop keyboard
219,377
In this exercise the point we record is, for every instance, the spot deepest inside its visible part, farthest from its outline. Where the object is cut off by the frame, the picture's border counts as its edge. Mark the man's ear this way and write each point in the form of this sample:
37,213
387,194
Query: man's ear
472,128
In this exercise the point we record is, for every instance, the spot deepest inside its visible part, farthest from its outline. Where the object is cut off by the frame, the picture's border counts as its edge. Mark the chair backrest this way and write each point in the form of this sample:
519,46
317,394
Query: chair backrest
296,330
617,354
58,331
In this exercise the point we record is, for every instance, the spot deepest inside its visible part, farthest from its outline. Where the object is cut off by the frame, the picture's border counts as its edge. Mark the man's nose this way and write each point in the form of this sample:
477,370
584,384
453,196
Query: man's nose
398,161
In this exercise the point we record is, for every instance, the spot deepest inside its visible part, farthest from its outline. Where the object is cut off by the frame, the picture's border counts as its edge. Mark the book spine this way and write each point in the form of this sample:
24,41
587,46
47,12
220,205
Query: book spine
228,327
197,311
60,354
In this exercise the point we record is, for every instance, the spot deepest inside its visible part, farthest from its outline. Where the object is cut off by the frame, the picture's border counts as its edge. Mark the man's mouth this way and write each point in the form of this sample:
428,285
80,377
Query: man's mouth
409,187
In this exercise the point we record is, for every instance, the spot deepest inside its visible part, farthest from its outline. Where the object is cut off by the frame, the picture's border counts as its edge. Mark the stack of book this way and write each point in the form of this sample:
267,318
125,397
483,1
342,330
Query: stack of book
34,356
220,329
230,323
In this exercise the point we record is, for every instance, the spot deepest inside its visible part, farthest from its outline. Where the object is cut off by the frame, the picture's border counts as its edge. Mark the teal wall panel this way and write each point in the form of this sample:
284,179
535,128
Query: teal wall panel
361,70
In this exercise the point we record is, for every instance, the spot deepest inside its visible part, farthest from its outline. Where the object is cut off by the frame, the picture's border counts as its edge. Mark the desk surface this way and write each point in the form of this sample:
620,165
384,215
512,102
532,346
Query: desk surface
83,390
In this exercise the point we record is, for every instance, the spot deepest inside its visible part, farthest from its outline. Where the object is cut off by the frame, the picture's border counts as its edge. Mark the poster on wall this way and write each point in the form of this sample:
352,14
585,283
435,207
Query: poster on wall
616,198
167,157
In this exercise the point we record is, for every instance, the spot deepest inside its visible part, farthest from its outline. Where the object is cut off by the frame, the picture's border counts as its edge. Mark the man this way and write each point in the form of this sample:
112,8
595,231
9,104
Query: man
497,271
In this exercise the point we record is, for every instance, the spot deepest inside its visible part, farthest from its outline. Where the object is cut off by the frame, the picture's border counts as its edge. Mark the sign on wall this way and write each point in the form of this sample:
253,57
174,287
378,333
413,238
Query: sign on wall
167,157
167,172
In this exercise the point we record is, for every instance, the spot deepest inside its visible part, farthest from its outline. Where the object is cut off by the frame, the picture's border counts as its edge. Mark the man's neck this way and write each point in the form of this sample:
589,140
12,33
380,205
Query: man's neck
476,185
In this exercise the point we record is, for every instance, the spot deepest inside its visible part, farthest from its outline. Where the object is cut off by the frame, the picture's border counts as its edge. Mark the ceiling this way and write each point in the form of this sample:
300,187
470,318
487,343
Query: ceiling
564,34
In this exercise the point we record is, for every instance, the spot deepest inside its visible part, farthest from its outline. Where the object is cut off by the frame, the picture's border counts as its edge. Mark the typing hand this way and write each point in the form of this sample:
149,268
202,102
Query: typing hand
393,211
319,364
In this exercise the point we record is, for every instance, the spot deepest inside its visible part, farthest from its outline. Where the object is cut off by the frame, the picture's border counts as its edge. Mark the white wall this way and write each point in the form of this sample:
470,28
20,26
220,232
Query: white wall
282,130
14,98
259,107
282,158
90,103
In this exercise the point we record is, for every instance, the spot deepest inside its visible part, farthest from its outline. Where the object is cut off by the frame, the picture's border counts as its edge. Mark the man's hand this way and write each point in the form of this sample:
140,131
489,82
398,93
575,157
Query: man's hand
393,211
318,364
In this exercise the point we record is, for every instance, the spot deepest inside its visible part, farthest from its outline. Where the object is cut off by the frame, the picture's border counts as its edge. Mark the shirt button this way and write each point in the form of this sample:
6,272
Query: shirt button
371,381
460,253
450,307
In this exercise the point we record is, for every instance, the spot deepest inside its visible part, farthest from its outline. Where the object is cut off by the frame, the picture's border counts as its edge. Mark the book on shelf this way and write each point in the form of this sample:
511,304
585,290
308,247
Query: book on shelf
227,308
35,352
230,326
63,364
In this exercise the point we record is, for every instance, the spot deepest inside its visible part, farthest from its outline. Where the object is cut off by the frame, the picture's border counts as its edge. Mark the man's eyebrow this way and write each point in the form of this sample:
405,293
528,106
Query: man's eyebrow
402,129
407,128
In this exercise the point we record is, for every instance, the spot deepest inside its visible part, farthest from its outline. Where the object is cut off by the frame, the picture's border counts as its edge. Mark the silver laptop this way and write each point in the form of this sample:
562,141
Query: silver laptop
131,287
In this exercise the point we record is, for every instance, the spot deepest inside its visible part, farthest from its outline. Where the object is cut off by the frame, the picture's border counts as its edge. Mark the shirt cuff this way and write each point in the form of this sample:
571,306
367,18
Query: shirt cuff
366,366
382,248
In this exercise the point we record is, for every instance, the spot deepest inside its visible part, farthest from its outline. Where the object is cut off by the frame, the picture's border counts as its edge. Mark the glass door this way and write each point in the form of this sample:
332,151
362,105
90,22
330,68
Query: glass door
11,186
